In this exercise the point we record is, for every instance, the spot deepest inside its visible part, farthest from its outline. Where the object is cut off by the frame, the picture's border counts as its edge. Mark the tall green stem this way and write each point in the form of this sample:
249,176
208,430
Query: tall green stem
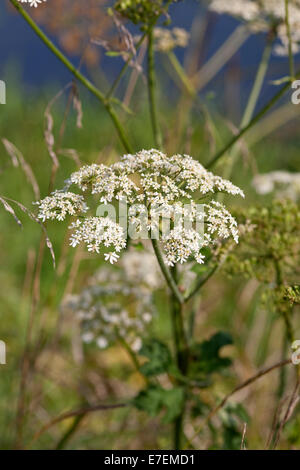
181,350
290,44
94,90
179,339
258,84
151,91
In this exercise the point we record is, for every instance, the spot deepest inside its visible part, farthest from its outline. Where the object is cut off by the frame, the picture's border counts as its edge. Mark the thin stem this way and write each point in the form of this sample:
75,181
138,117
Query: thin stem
221,57
181,74
166,272
290,45
94,90
124,68
258,84
181,349
151,90
200,283
70,431
178,433
131,353
253,121
282,375
72,414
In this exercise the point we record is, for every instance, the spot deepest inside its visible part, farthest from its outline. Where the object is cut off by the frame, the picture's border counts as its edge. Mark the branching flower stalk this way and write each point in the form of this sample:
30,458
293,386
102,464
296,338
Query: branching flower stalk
151,181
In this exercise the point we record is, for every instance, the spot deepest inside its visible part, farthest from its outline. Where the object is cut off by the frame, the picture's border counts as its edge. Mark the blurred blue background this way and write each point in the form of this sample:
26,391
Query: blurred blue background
37,66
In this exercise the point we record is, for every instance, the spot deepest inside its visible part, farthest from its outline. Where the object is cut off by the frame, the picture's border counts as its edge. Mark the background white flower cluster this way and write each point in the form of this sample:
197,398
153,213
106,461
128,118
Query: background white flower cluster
264,15
117,303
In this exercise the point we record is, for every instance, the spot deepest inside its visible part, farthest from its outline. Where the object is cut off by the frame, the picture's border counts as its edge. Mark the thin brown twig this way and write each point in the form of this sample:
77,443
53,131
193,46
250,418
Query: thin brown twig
275,421
290,408
241,386
74,413
247,382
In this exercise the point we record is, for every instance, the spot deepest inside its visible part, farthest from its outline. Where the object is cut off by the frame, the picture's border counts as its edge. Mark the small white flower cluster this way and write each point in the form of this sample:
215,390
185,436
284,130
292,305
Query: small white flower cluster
285,184
60,204
154,186
32,3
264,15
97,231
181,243
113,307
168,39
220,221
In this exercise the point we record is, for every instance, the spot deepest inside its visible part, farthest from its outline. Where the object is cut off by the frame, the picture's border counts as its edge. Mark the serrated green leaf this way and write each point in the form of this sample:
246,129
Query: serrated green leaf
159,356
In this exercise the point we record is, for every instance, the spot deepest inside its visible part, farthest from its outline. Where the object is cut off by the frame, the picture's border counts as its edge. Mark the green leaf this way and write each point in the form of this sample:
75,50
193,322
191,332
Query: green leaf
113,54
206,355
173,402
154,399
159,356
149,400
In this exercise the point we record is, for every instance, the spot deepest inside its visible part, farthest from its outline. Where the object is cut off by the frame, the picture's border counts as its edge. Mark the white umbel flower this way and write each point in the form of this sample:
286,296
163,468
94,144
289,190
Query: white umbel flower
60,204
156,188
97,231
